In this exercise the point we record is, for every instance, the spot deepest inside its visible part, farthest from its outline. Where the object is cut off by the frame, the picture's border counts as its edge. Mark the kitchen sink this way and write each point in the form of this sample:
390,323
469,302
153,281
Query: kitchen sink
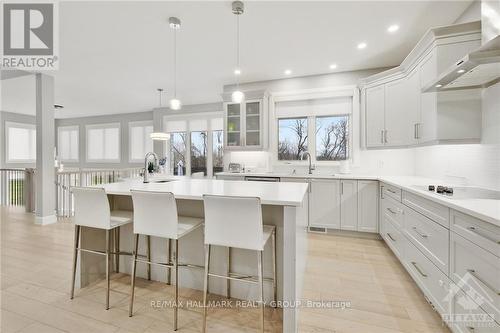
465,192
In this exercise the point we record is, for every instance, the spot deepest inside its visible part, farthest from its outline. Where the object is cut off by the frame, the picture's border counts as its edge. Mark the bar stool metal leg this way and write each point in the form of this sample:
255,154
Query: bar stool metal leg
176,275
169,260
275,283
205,287
117,242
108,243
261,286
75,257
132,276
148,245
228,281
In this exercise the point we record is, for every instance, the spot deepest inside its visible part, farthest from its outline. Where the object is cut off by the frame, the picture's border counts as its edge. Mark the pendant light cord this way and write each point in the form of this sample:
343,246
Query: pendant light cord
175,63
238,50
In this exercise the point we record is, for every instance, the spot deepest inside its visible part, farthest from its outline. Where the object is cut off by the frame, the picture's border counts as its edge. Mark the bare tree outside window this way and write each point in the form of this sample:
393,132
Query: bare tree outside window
332,138
292,140
217,151
177,152
199,152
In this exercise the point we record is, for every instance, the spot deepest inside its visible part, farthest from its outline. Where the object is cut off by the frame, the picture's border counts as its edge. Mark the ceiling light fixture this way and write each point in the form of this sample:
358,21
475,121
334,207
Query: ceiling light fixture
393,28
333,66
288,71
237,8
175,24
439,85
362,45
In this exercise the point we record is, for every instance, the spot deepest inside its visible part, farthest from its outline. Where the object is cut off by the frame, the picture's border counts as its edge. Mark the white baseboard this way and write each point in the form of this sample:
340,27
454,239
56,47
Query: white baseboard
45,220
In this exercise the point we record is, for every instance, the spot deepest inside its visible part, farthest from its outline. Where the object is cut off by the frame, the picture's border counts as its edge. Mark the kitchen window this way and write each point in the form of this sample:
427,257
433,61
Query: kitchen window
196,143
292,138
103,143
199,152
217,151
21,142
67,143
332,138
178,153
140,141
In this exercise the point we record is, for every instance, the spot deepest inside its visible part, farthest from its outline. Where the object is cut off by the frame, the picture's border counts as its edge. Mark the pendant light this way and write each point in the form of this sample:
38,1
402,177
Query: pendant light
175,24
159,136
238,8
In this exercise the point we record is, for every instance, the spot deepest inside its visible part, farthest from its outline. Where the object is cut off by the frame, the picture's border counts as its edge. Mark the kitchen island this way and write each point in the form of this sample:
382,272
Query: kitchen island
283,205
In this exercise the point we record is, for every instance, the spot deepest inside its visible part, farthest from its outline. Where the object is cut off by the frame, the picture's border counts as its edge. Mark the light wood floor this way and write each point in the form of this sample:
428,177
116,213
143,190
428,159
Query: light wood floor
35,272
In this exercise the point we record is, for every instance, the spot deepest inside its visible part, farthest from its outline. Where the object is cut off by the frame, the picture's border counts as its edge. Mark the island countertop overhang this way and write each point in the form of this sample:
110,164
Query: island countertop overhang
280,194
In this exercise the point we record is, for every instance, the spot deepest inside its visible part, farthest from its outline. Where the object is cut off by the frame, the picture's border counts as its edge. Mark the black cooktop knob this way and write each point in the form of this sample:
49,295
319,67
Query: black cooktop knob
432,187
440,189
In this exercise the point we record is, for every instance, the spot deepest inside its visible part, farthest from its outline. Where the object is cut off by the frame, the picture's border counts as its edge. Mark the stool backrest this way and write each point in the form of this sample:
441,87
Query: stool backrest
233,221
155,214
91,207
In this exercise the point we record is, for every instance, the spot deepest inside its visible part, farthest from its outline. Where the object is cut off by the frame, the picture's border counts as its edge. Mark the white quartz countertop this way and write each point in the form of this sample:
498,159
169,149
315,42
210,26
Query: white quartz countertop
298,175
484,209
281,194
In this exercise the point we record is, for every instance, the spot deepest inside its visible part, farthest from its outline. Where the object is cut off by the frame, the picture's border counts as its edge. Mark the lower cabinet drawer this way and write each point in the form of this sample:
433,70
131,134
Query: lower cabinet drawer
394,238
430,279
391,191
477,272
467,317
429,237
393,210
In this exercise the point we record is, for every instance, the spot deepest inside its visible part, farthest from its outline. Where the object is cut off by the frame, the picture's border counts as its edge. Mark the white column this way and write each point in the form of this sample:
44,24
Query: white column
45,171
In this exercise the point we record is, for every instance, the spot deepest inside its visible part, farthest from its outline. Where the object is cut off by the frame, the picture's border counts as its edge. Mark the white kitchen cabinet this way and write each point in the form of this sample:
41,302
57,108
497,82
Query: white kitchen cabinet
324,203
244,125
375,118
396,113
349,205
368,205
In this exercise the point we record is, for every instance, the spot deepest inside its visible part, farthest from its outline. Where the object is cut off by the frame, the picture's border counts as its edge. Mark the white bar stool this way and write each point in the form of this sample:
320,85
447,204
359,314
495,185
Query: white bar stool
155,214
236,222
92,210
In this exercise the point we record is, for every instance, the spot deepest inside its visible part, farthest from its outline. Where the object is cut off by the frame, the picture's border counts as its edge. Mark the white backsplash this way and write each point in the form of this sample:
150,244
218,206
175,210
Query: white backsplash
477,164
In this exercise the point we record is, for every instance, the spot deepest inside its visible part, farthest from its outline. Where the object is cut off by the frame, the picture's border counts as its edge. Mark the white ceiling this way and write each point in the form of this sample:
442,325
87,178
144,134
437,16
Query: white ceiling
113,55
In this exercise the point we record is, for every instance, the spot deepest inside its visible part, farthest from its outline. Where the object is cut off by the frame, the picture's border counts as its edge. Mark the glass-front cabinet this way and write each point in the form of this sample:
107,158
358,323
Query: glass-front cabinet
244,125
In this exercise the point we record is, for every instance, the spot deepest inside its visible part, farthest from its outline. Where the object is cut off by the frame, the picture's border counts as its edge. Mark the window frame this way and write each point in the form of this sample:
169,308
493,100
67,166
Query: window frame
140,123
354,120
13,124
102,126
187,118
68,128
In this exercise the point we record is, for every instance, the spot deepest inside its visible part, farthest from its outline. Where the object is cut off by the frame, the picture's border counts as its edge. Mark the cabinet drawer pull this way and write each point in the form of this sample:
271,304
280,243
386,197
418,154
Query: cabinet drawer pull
419,233
476,231
418,269
489,286
415,135
392,191
382,136
390,210
471,329
392,238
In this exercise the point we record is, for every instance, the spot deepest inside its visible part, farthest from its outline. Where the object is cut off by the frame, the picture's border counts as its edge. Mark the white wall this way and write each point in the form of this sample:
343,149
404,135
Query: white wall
380,162
477,164
472,13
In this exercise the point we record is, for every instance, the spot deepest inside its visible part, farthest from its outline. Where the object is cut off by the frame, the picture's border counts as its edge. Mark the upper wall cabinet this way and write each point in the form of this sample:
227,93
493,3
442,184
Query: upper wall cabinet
245,123
398,114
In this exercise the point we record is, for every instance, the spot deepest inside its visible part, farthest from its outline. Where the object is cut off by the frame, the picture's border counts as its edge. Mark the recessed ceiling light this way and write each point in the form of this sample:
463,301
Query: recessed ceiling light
288,71
393,28
439,85
362,45
237,71
333,66
460,71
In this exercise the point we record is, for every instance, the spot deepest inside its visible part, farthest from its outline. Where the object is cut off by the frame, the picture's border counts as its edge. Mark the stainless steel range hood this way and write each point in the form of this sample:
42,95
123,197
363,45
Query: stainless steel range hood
481,68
